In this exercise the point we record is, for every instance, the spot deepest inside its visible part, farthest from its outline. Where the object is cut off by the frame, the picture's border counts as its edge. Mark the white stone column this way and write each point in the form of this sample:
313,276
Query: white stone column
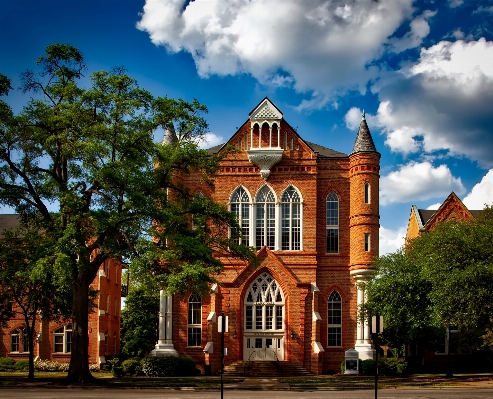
363,341
270,135
164,346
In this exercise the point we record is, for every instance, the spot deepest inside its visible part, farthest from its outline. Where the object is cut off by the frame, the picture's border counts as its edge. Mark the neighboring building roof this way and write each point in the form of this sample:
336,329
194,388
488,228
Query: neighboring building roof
426,219
364,141
8,222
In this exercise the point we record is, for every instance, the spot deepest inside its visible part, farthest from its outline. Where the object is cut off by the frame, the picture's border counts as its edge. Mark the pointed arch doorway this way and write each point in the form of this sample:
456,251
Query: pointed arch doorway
263,327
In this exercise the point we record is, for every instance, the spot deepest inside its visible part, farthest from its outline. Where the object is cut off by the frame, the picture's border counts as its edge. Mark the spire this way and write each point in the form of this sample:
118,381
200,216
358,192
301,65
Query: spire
169,137
364,141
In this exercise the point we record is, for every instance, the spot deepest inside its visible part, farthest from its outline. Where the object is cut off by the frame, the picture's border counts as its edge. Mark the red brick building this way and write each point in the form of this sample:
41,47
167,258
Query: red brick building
55,338
312,213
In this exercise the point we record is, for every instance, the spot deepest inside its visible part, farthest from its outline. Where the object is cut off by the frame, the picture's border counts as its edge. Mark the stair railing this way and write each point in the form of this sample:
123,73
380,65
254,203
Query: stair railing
247,362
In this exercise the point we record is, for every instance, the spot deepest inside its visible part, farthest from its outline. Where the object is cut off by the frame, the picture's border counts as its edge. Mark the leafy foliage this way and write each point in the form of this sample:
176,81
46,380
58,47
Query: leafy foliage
90,153
444,277
139,322
168,366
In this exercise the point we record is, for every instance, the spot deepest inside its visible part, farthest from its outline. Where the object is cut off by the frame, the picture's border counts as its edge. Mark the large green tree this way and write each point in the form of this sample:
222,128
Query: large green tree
83,162
443,278
30,279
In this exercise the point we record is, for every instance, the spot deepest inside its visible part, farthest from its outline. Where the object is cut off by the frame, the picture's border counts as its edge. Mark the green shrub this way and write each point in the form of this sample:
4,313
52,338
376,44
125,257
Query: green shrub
168,366
114,361
343,366
367,367
392,366
186,366
107,367
7,364
132,367
117,371
22,365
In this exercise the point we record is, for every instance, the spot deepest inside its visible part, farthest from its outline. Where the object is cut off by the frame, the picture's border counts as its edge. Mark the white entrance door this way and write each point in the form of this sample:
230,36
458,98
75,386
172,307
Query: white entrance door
264,348
263,325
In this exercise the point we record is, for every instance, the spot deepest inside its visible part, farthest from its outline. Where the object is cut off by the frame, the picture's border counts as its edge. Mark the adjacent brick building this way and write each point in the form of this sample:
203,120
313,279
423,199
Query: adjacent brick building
312,213
54,338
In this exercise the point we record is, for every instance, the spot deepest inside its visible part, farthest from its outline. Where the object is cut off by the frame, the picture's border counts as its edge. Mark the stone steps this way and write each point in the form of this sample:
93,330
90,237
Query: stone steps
265,369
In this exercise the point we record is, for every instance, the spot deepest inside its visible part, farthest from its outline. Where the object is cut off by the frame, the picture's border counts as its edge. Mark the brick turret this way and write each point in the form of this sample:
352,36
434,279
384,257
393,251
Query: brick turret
364,224
364,209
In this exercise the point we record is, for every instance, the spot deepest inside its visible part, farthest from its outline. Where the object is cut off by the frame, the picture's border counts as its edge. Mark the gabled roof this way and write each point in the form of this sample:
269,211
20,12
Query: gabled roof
267,110
451,208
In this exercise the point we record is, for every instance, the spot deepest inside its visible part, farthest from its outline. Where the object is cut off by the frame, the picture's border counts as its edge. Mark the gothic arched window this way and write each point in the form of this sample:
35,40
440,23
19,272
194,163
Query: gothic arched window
334,320
264,303
194,320
240,206
290,219
332,222
265,219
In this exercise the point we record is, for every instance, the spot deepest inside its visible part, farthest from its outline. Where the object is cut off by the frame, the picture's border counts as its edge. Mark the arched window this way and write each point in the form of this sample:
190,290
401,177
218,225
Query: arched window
240,206
194,320
14,340
334,320
265,227
290,219
62,339
264,303
332,223
367,193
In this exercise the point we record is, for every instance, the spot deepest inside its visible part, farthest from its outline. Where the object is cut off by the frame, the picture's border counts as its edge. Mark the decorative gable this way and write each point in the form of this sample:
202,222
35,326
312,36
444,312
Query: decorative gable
265,111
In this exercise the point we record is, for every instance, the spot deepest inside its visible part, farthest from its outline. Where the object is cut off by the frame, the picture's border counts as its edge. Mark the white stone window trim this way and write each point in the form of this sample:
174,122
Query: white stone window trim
367,193
197,324
65,332
338,325
279,220
333,226
263,277
250,211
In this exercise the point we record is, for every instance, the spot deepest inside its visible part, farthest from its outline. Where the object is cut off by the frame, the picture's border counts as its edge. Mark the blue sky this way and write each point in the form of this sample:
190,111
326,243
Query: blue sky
421,70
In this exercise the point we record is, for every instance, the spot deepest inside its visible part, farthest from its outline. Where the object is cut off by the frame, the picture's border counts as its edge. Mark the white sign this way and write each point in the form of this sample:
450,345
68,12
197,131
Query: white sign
374,324
220,324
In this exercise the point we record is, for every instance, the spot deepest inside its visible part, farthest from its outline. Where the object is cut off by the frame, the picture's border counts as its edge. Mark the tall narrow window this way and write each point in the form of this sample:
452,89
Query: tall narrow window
332,222
194,320
14,341
105,343
108,303
367,242
114,343
290,220
25,341
265,218
367,193
240,206
334,317
115,310
62,339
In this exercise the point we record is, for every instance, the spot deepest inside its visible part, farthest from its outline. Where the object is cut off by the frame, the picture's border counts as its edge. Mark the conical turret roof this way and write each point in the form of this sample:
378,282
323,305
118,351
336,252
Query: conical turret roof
169,137
364,141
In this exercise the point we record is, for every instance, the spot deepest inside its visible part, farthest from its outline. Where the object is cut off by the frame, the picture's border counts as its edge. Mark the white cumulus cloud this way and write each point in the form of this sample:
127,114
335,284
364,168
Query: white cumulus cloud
481,193
210,140
444,102
391,240
418,181
320,47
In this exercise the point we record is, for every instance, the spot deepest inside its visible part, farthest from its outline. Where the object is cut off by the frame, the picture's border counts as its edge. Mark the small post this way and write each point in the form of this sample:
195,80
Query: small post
222,327
376,328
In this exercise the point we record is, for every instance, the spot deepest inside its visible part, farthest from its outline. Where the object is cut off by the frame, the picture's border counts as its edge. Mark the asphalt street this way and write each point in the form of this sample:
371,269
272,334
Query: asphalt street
97,393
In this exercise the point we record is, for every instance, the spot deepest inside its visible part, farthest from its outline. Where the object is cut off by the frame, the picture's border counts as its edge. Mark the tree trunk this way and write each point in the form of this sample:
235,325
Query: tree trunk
30,336
79,360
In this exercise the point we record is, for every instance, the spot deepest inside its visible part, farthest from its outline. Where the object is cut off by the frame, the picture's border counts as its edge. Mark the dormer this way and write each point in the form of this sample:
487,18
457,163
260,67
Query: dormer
265,137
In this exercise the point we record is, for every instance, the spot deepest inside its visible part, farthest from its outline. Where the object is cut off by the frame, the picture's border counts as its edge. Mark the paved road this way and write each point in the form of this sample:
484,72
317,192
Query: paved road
97,393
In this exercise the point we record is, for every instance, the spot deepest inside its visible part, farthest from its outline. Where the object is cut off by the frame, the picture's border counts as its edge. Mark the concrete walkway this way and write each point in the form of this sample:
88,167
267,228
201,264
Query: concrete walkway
260,384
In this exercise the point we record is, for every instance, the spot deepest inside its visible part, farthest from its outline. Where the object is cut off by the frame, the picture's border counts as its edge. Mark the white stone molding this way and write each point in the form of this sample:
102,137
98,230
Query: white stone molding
313,287
318,348
209,347
265,159
316,316
363,341
211,318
